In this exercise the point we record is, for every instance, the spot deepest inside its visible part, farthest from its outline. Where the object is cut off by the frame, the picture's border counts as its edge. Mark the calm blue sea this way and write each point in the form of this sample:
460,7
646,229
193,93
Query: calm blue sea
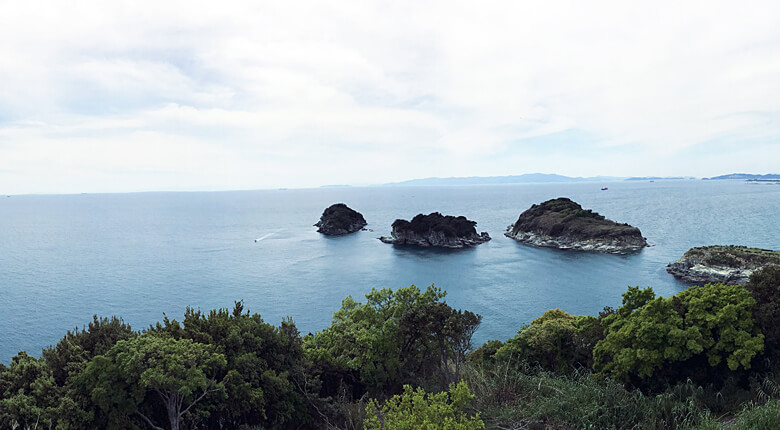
64,258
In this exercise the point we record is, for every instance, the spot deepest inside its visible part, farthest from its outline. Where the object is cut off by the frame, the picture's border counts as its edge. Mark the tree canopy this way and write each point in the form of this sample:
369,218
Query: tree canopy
649,333
176,373
395,337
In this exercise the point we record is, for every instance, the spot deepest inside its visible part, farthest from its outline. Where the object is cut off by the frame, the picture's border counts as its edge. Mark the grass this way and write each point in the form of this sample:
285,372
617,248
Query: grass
523,397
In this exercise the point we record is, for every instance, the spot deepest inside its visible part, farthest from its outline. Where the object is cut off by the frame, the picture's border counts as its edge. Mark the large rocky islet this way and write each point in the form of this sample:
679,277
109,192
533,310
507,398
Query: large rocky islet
562,223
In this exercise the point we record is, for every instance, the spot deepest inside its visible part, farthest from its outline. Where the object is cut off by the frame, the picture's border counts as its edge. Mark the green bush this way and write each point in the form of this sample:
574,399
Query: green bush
764,284
557,341
395,338
648,334
418,410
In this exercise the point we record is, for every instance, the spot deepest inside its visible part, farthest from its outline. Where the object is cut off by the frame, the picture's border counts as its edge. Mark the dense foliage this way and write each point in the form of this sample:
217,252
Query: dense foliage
448,225
765,287
648,334
396,338
556,341
399,360
169,375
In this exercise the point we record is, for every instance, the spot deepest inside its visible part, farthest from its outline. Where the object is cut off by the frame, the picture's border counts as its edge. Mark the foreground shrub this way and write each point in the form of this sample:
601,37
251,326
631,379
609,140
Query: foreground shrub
397,337
764,284
416,409
557,341
713,324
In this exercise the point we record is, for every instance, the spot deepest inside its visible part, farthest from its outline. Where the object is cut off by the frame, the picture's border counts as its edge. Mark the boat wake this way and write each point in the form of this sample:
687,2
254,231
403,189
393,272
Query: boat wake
266,236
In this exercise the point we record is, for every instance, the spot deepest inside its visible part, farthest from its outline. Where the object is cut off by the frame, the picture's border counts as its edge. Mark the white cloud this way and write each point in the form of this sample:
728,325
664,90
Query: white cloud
265,94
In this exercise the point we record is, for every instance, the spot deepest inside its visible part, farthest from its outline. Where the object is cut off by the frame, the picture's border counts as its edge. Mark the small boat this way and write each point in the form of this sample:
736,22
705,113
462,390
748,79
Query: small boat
604,189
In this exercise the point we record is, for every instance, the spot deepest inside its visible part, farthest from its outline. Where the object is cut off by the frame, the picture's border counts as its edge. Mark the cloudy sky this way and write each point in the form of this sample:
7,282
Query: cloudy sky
100,96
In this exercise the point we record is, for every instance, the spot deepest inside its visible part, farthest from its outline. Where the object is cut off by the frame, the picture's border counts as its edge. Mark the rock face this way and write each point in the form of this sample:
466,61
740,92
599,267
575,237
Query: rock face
339,219
727,264
562,223
436,230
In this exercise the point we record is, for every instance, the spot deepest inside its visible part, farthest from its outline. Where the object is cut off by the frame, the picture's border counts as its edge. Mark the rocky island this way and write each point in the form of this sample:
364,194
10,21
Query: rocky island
436,230
339,219
562,223
727,264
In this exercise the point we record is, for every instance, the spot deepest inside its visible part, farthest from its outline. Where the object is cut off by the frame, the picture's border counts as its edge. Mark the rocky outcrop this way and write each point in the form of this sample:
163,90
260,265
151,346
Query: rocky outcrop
436,230
562,223
339,219
727,264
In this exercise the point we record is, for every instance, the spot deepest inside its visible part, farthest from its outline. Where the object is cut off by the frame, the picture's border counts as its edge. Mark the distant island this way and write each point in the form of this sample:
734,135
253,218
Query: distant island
545,178
528,178
728,264
564,224
658,178
339,219
745,176
436,230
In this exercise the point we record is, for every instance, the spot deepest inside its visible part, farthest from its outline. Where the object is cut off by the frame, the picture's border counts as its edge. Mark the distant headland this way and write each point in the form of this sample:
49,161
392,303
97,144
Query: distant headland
551,178
746,176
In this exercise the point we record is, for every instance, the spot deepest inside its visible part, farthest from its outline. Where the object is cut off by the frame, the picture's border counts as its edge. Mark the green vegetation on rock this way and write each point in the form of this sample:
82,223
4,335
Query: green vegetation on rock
449,225
733,256
562,216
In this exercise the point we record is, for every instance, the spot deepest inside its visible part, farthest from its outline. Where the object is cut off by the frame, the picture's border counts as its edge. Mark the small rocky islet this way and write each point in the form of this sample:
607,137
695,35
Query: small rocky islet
339,219
436,230
562,223
727,264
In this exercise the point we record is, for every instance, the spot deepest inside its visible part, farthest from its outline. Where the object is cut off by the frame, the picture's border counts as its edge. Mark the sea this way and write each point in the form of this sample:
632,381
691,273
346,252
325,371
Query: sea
143,256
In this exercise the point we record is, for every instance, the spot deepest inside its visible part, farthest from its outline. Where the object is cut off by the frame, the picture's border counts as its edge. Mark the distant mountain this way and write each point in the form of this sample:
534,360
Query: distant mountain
527,178
658,178
744,176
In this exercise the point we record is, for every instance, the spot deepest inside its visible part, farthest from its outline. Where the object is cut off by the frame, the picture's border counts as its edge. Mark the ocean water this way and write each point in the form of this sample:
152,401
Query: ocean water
64,258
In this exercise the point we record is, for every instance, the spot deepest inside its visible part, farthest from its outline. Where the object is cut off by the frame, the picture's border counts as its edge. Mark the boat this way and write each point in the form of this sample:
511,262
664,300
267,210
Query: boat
604,189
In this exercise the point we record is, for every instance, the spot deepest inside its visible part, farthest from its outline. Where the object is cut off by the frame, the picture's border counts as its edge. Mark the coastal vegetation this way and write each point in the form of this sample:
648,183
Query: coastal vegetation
404,359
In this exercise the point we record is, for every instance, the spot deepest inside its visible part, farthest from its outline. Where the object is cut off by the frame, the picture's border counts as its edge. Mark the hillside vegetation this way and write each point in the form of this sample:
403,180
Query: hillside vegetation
403,359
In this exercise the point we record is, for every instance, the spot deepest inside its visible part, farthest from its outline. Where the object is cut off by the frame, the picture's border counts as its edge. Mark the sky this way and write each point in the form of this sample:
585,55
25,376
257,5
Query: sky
121,96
